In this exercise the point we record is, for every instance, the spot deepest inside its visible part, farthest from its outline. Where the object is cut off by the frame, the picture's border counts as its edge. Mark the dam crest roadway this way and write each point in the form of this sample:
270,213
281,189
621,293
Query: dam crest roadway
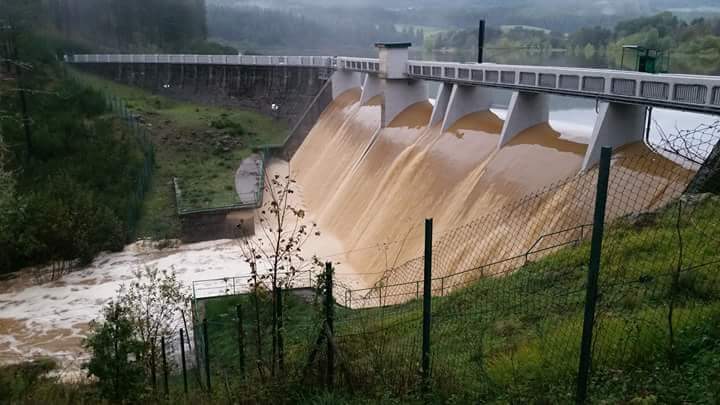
624,98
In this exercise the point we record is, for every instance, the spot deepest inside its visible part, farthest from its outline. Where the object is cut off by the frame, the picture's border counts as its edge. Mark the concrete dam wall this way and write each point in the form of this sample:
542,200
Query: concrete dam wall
301,93
255,88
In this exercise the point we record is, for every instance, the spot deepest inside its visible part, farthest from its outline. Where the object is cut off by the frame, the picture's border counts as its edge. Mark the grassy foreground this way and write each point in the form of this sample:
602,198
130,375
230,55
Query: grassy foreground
516,339
511,339
200,145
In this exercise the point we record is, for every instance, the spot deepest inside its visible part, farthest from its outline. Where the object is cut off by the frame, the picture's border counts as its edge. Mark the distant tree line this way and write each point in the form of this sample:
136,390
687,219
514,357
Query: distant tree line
694,45
254,28
129,25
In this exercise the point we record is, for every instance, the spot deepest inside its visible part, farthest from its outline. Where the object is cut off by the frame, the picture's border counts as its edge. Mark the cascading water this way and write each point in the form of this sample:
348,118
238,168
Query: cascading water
372,186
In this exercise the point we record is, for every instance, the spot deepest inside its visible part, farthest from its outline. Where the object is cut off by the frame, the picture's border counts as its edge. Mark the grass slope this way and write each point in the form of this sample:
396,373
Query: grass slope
200,145
511,339
516,338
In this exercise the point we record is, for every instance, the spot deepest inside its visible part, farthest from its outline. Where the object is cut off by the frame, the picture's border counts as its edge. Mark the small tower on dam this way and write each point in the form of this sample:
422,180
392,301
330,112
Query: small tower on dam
402,84
386,76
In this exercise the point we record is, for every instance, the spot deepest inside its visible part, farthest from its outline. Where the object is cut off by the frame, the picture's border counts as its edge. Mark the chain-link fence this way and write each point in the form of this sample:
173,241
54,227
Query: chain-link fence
190,199
143,175
604,286
509,324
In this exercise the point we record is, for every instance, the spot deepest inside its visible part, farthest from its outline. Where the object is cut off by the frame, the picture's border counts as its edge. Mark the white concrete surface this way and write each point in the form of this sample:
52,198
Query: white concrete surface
617,125
465,100
399,95
526,110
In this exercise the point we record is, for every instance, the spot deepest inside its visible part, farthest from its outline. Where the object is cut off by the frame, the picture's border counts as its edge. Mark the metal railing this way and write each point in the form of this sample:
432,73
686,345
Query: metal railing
358,64
236,200
687,92
694,92
522,259
260,60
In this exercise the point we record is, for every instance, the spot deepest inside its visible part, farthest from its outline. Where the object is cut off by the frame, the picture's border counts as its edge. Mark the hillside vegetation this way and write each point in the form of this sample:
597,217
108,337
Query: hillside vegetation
202,146
511,339
72,166
694,45
516,338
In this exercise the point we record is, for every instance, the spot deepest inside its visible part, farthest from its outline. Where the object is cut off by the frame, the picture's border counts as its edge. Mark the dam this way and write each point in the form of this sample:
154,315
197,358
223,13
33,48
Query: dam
378,145
374,153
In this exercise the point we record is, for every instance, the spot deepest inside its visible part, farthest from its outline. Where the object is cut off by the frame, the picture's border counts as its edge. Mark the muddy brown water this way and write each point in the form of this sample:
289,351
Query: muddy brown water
371,186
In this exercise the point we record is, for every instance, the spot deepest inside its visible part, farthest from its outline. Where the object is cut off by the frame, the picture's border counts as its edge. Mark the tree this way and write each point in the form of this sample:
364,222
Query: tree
8,207
156,303
117,353
7,186
125,343
275,251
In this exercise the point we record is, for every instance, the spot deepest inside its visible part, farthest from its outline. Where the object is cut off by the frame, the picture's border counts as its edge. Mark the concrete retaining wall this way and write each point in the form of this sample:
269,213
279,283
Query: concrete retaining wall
253,88
226,224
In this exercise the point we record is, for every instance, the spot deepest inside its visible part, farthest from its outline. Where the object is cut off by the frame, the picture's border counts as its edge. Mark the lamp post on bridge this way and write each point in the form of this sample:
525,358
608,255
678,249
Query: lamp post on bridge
481,40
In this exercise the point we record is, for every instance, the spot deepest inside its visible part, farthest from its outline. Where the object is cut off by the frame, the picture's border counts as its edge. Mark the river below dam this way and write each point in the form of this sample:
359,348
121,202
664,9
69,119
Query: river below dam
369,190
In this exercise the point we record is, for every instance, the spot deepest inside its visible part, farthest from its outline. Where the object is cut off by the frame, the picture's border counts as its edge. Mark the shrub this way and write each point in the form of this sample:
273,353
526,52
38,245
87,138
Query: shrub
116,359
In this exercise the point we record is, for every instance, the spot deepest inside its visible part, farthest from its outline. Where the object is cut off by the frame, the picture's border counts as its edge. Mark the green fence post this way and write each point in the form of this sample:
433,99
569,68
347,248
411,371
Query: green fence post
329,321
196,337
153,371
182,360
166,387
280,331
593,273
427,308
241,340
207,355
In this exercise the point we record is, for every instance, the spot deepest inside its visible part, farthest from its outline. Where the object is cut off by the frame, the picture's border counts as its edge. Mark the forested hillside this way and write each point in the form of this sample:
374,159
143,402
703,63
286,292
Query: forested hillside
69,168
694,45
252,28
128,25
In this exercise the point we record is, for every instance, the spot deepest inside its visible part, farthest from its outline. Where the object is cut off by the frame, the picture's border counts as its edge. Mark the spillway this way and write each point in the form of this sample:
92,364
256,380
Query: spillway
372,186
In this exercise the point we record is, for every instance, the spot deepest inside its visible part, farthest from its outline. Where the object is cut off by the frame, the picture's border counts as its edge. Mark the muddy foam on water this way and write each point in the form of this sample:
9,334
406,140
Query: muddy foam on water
369,190
51,318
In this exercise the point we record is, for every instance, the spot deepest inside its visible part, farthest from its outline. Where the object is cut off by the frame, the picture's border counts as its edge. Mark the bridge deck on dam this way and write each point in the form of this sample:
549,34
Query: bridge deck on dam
674,91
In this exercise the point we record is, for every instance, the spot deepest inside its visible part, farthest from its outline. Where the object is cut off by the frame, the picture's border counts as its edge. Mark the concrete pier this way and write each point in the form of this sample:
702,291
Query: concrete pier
343,81
617,124
526,110
465,100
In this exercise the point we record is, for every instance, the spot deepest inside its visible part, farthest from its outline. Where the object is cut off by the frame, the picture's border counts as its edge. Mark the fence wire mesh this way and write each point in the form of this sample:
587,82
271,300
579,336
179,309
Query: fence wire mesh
509,295
143,176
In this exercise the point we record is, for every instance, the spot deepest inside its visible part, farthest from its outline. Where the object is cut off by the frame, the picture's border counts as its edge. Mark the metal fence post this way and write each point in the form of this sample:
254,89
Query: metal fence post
196,336
182,360
166,387
153,368
329,321
280,331
241,340
207,354
593,273
427,297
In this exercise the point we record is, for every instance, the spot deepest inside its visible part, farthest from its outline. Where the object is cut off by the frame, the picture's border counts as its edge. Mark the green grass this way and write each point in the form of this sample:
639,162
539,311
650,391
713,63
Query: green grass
200,145
515,339
511,339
